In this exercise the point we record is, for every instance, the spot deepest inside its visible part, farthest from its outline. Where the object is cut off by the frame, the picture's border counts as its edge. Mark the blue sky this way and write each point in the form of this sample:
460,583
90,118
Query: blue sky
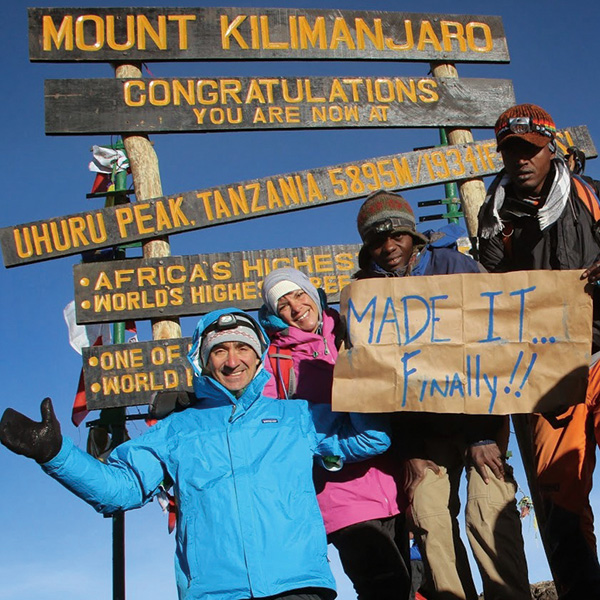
54,546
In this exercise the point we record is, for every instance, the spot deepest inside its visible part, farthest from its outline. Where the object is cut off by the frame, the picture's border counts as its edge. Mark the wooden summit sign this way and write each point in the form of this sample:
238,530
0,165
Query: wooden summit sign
177,286
129,374
229,104
102,228
187,105
170,34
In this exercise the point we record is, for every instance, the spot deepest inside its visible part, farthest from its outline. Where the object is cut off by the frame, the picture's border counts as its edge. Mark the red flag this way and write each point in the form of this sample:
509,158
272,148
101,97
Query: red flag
80,411
172,509
102,183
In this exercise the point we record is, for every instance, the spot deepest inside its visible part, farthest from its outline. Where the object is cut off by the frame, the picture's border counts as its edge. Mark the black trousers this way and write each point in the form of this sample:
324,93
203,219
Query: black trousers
375,556
417,569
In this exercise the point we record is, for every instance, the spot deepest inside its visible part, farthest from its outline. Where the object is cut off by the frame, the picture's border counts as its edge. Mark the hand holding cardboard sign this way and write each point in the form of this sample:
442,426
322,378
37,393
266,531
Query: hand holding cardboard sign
592,274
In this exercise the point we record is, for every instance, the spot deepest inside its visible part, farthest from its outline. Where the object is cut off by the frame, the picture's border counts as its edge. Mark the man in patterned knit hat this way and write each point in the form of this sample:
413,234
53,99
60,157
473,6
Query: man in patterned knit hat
393,247
437,448
535,216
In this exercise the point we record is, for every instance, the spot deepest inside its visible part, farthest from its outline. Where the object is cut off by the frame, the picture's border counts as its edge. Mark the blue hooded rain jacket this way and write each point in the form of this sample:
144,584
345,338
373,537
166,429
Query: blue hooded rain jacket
249,524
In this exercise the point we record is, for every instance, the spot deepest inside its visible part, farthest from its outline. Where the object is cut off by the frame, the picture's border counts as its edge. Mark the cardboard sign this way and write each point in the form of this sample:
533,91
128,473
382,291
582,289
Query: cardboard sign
176,286
188,105
155,34
474,343
102,228
129,374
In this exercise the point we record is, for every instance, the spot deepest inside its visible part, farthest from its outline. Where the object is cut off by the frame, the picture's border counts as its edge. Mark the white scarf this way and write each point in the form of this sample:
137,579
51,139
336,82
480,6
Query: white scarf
546,215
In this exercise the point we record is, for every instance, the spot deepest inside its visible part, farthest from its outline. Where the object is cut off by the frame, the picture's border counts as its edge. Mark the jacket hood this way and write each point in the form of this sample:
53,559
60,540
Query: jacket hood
205,386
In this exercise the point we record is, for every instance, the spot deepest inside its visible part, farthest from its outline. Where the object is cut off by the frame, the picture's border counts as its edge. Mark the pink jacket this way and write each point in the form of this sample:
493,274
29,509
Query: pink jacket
360,491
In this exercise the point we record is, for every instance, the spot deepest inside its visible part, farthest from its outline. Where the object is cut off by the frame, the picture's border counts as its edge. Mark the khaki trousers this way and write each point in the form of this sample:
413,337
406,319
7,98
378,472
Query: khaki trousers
493,528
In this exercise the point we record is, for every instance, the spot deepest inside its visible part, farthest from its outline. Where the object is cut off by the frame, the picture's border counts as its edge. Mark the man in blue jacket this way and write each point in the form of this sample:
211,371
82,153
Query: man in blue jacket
249,524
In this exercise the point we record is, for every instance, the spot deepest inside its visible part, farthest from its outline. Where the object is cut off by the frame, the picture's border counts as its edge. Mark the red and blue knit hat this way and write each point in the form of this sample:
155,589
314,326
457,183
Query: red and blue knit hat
385,212
526,121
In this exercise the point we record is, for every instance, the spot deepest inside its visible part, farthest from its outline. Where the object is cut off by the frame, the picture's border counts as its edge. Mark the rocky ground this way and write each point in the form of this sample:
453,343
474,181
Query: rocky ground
544,590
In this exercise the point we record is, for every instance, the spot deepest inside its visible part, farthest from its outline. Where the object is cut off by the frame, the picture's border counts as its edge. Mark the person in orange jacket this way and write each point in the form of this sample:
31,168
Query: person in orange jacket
535,216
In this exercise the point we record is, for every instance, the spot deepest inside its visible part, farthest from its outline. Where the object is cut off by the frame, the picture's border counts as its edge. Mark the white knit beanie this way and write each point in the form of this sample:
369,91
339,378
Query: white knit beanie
282,281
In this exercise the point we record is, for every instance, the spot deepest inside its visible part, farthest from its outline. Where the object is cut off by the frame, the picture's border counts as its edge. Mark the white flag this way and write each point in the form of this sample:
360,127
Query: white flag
82,336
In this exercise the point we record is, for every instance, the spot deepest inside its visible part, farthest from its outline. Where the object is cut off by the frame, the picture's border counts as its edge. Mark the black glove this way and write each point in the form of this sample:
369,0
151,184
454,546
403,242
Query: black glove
163,404
40,441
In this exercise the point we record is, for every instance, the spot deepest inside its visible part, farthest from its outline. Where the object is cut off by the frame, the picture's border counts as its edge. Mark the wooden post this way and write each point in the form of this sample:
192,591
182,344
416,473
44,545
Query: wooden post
146,182
472,191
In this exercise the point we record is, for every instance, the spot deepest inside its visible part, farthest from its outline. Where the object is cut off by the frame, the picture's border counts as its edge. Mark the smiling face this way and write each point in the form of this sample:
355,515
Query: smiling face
233,365
299,310
526,165
391,251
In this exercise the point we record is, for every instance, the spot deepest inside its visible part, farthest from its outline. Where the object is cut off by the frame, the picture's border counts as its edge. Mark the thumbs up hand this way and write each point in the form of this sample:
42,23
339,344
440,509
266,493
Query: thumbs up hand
38,440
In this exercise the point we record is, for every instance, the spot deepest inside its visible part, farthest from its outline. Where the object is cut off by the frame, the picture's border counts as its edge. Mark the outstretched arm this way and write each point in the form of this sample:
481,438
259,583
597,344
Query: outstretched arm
351,436
129,479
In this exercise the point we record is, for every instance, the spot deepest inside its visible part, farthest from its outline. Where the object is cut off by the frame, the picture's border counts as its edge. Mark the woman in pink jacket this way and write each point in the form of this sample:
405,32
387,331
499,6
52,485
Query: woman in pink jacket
361,506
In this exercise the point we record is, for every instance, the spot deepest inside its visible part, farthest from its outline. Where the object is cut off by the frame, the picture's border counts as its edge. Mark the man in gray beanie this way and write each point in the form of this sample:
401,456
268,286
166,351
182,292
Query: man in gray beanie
437,448
230,351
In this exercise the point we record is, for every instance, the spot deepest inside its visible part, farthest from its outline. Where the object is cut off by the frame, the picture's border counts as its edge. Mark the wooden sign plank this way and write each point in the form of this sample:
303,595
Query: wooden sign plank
103,228
188,105
179,286
129,374
175,34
